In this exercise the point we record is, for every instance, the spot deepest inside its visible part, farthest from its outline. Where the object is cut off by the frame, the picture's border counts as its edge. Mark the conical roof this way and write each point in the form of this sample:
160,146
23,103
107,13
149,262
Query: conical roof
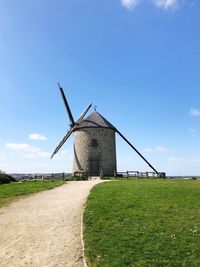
95,120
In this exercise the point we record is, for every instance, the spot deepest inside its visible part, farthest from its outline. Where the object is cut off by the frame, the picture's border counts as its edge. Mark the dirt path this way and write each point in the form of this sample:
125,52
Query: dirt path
45,229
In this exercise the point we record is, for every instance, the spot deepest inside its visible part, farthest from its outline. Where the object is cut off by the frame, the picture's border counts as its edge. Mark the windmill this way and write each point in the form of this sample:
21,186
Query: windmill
94,143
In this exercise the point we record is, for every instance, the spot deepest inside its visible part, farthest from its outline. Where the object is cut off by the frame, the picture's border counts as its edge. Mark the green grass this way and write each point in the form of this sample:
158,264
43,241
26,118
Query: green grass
13,191
143,223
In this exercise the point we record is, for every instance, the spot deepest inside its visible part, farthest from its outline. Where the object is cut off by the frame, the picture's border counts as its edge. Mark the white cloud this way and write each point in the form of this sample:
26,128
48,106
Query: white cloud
23,148
43,154
40,154
66,154
177,159
194,112
27,150
148,149
192,130
161,149
36,136
182,165
190,161
129,4
2,157
156,149
166,4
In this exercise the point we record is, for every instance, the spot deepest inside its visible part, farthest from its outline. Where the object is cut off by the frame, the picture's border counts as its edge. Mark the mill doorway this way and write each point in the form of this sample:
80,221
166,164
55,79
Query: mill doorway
94,167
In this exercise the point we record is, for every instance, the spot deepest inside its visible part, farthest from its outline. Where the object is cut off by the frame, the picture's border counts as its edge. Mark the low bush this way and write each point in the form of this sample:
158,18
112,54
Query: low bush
6,179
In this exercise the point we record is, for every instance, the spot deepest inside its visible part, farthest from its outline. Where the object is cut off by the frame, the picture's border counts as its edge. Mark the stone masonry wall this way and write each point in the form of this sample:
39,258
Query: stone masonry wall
87,151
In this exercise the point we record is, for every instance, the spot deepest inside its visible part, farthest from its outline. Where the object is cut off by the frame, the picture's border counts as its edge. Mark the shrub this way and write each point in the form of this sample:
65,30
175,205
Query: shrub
6,179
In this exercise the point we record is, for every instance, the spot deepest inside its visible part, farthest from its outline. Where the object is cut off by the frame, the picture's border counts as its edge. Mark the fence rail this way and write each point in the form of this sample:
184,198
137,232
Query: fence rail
138,174
84,175
45,177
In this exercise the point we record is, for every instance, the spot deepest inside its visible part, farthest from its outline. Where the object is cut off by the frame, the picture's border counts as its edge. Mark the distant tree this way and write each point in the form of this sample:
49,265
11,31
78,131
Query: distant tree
2,172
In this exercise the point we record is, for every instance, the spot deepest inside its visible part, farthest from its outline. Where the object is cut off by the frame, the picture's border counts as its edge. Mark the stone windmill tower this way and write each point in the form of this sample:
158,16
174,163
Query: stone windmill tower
94,143
94,146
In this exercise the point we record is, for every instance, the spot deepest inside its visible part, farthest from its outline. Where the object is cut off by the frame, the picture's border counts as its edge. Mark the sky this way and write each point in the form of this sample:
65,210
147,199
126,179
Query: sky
137,60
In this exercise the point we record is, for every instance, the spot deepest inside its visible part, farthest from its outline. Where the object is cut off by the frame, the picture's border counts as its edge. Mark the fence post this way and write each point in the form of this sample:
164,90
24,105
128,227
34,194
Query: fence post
101,174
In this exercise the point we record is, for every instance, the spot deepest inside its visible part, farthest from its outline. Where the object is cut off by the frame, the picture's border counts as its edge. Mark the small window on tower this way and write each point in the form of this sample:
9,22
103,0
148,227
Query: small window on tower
94,143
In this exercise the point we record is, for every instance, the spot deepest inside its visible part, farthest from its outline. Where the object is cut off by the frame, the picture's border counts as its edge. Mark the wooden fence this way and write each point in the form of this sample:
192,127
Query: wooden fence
45,177
138,174
66,176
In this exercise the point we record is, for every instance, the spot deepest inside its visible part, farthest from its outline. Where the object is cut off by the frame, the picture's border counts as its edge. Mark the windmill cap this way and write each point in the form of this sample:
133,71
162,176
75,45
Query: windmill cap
95,120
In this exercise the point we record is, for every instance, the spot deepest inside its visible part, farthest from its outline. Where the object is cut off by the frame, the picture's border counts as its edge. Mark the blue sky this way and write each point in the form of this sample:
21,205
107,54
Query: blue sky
138,60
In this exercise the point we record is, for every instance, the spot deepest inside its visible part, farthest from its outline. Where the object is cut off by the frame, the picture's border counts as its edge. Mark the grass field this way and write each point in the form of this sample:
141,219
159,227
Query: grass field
143,223
13,191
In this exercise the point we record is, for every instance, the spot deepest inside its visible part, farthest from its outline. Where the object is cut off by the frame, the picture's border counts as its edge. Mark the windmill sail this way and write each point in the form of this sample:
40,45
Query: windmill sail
62,142
72,122
137,152
84,113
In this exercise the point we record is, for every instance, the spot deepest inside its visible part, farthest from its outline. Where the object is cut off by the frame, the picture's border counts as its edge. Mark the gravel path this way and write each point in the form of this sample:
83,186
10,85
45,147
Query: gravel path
45,229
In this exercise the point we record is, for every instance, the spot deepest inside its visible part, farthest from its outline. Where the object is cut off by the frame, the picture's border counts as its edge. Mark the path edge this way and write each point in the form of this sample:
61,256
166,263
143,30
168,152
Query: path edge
82,239
82,236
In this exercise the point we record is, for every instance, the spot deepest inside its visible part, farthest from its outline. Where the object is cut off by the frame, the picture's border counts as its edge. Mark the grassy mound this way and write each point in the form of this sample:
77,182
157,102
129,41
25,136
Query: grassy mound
143,223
